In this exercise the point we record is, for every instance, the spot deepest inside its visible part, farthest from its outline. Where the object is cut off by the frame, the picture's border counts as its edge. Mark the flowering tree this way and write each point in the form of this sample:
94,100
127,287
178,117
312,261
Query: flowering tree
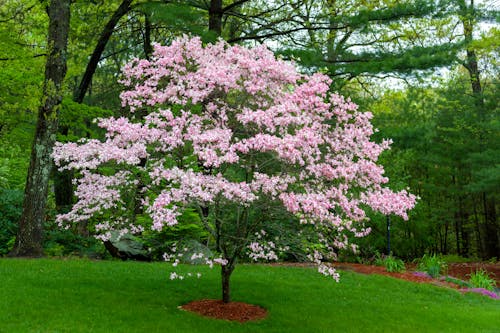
228,130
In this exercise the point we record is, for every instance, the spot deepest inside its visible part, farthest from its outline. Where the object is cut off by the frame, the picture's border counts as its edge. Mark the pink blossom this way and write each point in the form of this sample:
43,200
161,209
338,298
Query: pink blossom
217,117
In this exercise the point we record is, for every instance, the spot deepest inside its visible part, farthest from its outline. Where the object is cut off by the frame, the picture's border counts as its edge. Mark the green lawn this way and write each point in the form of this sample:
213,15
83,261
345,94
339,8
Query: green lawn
87,296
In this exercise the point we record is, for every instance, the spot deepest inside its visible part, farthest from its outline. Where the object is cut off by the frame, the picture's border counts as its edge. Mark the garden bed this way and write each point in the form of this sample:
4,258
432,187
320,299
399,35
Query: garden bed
460,271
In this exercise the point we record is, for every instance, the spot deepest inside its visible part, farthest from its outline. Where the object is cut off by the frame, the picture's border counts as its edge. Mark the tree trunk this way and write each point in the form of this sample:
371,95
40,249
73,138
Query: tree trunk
30,235
63,181
226,271
479,247
148,47
215,13
106,33
63,185
491,239
491,235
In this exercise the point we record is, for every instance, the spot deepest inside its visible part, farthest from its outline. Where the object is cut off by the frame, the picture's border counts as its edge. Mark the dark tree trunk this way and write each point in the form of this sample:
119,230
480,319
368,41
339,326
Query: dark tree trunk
63,181
479,246
491,239
106,33
30,235
491,235
458,225
226,271
63,185
148,47
215,13
464,232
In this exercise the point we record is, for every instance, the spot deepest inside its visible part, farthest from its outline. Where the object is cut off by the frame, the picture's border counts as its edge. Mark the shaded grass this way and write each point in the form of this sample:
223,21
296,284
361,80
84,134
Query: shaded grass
86,296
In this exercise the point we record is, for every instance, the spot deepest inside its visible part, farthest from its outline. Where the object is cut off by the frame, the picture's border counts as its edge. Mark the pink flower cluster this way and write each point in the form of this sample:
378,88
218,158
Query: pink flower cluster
214,109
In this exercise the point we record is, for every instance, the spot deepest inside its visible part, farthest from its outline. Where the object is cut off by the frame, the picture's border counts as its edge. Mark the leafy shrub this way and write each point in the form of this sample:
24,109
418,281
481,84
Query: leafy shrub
393,264
11,206
189,228
379,259
13,164
60,242
481,279
433,265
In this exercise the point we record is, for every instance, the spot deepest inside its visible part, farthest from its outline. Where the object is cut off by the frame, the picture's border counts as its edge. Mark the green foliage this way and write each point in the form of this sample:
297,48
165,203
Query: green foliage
13,166
180,17
11,205
454,258
379,259
188,229
481,279
433,265
77,118
390,262
393,264
60,242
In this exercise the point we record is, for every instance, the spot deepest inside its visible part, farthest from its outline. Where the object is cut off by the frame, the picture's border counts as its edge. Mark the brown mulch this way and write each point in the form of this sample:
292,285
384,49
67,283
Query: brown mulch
463,270
460,271
235,311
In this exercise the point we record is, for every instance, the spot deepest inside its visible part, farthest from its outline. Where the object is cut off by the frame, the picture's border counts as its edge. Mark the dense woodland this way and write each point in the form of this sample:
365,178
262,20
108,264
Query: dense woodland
427,70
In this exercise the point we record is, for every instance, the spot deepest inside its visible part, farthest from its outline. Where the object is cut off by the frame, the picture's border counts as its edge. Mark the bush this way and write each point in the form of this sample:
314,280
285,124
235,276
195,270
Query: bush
391,263
433,265
189,228
481,279
58,243
11,207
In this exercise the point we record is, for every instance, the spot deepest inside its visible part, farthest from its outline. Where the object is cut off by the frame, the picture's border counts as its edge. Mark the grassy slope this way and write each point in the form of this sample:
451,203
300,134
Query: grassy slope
84,296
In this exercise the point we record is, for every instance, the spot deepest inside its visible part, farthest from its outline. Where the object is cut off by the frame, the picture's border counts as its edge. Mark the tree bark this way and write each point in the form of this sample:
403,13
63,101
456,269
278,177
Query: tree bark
30,235
148,47
106,33
226,271
63,181
63,184
215,13
491,235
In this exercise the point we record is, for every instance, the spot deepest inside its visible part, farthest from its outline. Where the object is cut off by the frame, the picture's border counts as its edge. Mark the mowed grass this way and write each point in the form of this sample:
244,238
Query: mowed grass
106,296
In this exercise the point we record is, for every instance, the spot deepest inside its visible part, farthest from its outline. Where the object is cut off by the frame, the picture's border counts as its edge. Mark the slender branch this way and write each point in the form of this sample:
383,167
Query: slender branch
234,4
34,56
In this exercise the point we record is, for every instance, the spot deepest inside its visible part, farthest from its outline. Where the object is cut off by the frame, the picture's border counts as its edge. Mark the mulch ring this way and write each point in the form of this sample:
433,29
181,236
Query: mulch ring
234,311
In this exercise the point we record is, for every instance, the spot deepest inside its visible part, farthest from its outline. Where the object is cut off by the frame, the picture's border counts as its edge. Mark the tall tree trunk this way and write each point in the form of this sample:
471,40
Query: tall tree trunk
215,13
491,235
106,33
464,217
479,243
456,216
148,47
30,235
63,184
491,227
63,181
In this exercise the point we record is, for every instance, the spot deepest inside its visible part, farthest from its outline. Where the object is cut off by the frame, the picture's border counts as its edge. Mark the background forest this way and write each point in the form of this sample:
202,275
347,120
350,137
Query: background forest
427,70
